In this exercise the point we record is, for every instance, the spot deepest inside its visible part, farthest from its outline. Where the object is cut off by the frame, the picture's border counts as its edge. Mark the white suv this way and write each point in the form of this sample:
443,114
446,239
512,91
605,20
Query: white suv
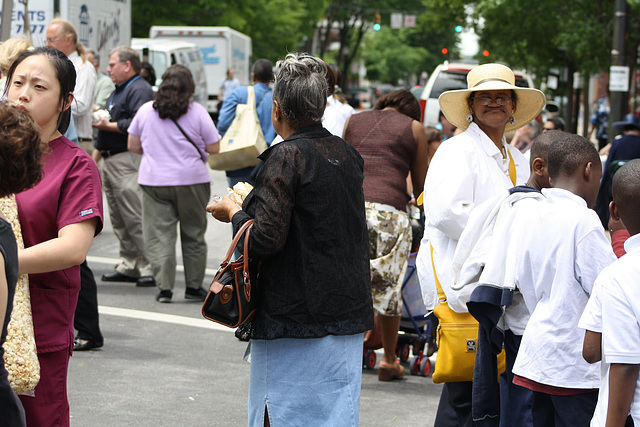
452,76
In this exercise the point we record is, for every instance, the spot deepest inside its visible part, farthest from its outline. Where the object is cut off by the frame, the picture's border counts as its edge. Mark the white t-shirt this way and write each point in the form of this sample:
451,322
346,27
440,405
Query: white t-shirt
345,110
466,170
333,120
561,255
620,317
228,86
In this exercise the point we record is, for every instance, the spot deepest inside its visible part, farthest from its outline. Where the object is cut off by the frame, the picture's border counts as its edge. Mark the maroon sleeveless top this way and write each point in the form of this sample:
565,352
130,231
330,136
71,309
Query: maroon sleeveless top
385,141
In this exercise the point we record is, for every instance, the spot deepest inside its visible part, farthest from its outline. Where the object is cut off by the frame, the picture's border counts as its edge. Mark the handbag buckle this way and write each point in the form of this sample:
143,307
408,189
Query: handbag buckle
225,295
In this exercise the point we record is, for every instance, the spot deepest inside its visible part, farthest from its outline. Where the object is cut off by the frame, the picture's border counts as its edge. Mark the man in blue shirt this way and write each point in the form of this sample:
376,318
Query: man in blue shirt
623,148
261,75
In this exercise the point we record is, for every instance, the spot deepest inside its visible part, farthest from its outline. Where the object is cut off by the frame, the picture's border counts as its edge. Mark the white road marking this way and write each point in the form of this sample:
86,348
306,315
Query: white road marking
161,317
114,261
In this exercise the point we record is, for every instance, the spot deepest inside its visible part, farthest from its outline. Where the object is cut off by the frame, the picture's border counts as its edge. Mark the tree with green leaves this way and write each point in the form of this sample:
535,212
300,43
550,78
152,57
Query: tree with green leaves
546,35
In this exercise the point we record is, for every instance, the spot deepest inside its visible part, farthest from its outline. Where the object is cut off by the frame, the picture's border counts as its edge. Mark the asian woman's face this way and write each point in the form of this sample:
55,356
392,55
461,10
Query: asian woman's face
34,88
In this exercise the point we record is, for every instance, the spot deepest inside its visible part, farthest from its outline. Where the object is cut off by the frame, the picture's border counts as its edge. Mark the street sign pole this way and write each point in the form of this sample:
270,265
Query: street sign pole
619,73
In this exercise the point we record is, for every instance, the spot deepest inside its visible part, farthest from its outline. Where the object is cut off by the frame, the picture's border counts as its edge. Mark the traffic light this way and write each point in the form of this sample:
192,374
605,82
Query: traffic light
445,50
485,52
376,22
458,28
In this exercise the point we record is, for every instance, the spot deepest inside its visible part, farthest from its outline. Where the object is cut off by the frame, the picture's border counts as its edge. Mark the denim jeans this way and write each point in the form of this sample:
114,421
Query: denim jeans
311,382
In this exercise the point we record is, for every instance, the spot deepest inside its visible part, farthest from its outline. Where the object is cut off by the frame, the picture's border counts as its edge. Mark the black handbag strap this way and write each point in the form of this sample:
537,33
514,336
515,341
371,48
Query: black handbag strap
189,139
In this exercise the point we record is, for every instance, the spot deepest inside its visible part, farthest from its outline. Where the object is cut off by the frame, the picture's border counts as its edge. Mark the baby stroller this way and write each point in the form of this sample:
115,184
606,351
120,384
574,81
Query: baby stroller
415,328
415,324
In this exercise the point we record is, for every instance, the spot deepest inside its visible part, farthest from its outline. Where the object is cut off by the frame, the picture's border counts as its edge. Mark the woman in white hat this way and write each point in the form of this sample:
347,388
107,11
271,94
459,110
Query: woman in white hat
465,171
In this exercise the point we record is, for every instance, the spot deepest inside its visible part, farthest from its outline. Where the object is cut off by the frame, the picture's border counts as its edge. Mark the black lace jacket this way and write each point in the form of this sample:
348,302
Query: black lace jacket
310,235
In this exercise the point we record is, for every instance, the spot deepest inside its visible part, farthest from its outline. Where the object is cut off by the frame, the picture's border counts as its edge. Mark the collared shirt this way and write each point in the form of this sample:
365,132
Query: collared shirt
562,253
310,233
104,88
264,102
125,101
467,170
83,94
614,311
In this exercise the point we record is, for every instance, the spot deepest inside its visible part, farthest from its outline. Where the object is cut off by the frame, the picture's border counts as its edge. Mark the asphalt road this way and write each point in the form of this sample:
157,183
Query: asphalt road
164,365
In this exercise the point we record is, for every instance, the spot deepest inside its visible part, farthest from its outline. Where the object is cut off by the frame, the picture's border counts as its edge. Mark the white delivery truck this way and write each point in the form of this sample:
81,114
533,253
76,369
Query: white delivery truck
161,54
101,24
222,48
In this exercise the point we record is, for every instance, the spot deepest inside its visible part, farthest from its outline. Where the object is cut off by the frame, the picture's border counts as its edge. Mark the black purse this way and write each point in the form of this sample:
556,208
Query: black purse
232,300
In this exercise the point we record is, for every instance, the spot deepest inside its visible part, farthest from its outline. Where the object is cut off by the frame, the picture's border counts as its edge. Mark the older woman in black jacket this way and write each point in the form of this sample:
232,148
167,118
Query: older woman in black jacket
310,237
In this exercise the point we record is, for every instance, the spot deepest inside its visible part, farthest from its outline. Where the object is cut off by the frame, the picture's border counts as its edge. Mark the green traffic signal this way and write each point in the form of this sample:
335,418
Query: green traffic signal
458,28
376,27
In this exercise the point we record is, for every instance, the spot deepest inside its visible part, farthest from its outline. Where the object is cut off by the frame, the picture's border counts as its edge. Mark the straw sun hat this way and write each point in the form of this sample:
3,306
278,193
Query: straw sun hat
453,103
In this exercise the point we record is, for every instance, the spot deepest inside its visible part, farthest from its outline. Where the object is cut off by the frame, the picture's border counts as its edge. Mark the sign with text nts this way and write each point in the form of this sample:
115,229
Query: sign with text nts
101,24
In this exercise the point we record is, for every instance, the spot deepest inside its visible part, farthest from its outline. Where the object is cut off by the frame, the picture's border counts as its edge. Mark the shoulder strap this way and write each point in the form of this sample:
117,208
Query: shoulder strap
265,94
441,295
189,139
251,96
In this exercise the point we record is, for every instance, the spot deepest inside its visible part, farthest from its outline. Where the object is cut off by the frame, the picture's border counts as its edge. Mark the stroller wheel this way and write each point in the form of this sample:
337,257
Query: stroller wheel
425,367
405,349
369,359
414,365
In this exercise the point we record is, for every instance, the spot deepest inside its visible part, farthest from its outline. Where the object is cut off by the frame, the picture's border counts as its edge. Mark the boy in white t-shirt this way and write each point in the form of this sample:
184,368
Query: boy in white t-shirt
613,312
562,253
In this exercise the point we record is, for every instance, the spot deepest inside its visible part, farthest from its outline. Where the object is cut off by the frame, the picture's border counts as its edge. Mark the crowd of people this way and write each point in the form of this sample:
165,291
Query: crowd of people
510,238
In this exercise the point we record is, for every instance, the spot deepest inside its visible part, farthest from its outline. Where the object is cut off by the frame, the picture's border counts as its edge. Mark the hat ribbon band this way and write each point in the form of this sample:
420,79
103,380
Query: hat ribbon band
491,80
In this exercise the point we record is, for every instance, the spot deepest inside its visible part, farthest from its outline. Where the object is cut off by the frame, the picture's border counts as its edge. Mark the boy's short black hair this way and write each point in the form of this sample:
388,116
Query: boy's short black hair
568,154
626,191
542,142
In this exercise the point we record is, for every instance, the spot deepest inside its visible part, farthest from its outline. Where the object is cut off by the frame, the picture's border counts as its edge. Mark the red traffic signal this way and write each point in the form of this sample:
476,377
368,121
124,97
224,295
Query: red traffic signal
445,50
485,52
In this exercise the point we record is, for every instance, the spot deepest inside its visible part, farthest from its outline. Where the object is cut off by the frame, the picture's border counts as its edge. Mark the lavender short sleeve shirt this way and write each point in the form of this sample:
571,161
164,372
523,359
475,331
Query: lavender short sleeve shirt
168,157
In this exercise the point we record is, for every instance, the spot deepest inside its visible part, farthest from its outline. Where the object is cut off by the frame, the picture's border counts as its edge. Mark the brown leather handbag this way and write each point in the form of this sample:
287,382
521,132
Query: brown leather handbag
232,298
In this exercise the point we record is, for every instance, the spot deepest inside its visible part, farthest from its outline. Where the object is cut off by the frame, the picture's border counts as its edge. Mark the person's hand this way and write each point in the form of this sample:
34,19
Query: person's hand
101,124
604,151
224,209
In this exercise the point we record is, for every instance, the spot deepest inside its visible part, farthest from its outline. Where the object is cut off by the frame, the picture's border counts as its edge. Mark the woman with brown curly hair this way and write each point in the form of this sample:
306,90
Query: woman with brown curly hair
174,135
20,168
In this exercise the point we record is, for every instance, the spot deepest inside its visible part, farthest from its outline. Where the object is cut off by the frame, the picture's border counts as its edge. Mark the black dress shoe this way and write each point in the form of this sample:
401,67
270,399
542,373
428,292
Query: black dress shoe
116,276
146,282
84,345
199,294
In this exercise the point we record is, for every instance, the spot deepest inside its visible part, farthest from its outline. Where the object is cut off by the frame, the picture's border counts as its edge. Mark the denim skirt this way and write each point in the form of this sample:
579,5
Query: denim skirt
310,382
